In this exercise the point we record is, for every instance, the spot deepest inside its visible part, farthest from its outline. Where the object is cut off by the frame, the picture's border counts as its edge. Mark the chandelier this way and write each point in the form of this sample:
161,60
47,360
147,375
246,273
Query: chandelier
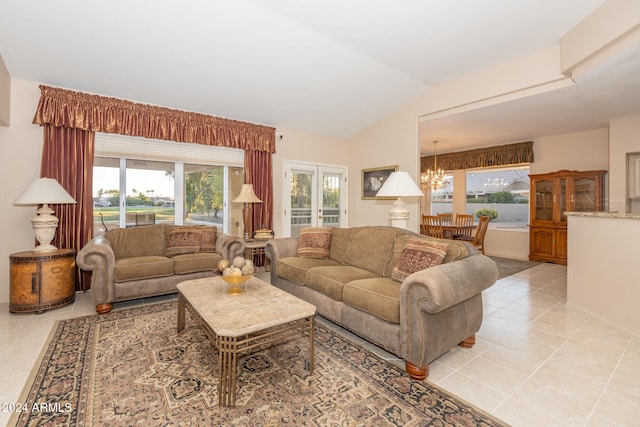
435,179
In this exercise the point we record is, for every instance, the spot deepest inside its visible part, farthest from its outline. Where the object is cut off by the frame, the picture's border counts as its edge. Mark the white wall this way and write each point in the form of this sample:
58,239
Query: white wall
303,147
20,154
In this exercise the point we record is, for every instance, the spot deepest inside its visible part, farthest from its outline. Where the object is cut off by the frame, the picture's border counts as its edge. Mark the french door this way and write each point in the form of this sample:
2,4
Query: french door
314,196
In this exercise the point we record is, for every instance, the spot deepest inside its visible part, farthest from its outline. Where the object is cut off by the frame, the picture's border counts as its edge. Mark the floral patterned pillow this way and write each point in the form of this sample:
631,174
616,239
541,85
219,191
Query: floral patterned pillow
418,255
314,242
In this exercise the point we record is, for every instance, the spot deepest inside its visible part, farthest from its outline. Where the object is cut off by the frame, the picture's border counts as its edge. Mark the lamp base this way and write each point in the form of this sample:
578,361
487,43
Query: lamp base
44,227
247,216
399,215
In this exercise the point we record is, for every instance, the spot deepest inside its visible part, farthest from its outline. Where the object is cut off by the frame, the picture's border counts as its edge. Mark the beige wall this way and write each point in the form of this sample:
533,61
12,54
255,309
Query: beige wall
5,94
20,153
393,141
602,278
303,147
624,133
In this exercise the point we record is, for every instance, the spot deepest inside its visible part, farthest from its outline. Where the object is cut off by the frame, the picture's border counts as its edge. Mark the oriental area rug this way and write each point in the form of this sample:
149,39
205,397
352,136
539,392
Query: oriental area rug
131,367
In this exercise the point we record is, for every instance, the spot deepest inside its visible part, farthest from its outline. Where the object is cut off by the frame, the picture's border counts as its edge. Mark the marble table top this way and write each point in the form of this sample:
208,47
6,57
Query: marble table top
261,306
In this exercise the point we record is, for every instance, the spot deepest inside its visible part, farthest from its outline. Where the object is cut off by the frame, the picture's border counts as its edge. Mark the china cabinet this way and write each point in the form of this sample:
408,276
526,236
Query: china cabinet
553,194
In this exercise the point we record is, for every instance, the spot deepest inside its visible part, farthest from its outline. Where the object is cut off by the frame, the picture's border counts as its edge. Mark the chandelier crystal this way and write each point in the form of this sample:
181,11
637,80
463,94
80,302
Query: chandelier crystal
435,179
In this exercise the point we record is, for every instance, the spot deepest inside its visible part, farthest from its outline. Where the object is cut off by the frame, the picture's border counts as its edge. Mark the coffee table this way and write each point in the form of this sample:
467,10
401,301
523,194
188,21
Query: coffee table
238,323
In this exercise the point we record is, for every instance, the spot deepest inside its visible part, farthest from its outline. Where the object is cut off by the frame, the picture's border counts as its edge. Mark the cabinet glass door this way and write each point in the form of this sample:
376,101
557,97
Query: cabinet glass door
584,195
563,199
544,200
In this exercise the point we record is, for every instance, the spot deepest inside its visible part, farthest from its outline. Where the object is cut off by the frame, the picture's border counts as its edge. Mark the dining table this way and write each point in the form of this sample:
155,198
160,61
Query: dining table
449,230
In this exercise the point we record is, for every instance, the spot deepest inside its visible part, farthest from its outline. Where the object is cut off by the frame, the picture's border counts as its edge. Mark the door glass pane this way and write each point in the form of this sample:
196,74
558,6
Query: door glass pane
301,199
331,200
106,194
150,193
585,195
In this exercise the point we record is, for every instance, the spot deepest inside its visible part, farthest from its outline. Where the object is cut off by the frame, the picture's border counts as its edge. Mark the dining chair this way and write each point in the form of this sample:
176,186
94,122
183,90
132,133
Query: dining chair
446,218
431,226
478,239
464,222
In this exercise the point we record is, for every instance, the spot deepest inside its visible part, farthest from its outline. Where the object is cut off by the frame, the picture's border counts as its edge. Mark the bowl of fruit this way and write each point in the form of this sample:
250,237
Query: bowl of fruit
236,273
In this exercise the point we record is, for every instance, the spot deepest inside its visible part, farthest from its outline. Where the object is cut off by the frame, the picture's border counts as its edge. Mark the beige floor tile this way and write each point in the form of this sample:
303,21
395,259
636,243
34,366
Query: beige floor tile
474,392
557,403
517,413
487,372
518,361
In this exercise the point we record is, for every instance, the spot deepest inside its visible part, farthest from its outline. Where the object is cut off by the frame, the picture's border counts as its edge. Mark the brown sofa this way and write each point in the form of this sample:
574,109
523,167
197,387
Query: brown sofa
131,263
363,280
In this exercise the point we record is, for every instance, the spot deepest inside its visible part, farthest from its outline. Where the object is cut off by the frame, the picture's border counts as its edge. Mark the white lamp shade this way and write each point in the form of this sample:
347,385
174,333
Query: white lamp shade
399,184
43,191
247,195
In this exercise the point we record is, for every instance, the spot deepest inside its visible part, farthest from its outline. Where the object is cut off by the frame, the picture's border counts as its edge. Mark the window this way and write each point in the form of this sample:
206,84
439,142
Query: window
503,194
141,186
442,200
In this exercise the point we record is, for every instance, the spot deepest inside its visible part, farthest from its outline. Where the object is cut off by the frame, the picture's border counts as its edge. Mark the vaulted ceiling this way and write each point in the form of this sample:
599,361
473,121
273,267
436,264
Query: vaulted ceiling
333,67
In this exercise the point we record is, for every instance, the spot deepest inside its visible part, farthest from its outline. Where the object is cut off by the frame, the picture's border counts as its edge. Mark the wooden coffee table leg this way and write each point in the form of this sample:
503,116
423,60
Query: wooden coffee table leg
227,370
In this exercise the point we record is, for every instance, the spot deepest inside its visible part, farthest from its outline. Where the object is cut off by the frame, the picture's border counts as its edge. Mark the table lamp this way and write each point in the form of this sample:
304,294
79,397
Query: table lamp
248,197
44,191
399,184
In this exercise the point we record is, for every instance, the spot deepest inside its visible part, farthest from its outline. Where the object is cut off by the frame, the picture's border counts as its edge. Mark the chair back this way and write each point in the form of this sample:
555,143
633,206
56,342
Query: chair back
480,232
446,218
431,226
464,221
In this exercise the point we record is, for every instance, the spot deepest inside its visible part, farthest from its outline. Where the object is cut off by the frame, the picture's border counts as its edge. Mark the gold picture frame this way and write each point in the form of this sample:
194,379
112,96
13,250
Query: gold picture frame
372,180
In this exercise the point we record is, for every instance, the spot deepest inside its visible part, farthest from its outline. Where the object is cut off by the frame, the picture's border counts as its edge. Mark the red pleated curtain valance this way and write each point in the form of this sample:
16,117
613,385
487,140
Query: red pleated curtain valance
66,108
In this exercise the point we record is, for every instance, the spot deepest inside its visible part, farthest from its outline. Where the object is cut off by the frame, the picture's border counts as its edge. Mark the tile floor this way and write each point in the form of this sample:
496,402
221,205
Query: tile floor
536,361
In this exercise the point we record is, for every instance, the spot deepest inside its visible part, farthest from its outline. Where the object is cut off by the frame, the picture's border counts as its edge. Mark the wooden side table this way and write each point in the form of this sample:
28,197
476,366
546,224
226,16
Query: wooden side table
41,280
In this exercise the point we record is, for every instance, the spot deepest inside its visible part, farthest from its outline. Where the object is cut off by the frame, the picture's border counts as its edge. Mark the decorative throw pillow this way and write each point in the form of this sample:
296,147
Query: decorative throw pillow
183,240
209,236
314,242
418,255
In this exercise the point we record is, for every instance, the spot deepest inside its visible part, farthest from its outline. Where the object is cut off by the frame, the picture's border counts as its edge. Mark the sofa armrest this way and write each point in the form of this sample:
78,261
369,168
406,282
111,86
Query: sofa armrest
438,288
229,246
282,247
442,306
97,256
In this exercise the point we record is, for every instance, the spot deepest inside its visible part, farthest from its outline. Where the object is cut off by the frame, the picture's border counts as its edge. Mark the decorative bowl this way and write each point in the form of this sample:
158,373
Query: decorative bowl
235,282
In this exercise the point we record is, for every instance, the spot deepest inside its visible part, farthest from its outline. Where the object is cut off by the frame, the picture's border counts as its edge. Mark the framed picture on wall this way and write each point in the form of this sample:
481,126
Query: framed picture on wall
372,180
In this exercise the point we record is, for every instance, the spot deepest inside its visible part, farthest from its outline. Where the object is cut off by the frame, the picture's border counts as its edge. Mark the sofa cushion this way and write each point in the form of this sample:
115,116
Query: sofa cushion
295,268
379,296
314,242
191,263
144,267
138,241
339,241
208,236
183,240
370,248
418,255
330,280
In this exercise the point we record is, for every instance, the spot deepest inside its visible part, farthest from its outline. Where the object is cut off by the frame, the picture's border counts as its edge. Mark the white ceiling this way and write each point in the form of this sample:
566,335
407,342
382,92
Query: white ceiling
333,67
